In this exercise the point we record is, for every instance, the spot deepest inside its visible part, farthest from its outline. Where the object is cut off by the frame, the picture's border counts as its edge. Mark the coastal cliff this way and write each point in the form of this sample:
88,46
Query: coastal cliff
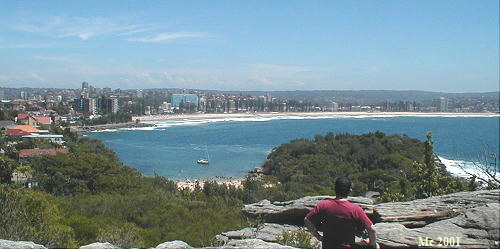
472,218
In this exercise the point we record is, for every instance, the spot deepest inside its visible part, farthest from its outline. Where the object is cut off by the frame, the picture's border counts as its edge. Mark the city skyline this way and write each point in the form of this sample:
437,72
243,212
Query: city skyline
266,46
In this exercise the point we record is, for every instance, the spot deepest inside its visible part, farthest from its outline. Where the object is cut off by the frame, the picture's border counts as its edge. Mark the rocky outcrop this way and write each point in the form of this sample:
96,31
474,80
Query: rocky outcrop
269,232
253,244
418,213
176,244
293,212
7,244
470,218
233,244
475,228
100,245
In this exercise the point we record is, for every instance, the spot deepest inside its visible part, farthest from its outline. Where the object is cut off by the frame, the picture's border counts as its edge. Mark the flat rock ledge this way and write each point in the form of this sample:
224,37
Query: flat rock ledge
293,212
416,213
476,228
269,232
421,212
7,244
100,245
471,219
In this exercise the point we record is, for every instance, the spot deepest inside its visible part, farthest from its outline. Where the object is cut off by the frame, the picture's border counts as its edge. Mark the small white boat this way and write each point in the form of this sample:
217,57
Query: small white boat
204,160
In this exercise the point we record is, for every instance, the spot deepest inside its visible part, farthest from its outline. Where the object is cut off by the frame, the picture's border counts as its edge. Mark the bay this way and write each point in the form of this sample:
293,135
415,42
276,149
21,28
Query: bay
238,145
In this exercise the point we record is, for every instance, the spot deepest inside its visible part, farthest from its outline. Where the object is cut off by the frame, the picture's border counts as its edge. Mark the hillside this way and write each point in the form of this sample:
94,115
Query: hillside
396,166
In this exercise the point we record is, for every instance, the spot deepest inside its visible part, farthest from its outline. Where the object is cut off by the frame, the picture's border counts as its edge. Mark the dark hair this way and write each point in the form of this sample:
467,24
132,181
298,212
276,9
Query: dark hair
342,186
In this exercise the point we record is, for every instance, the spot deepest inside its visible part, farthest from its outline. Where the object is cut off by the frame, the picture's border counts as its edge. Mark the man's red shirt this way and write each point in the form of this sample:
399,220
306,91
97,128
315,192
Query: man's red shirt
339,220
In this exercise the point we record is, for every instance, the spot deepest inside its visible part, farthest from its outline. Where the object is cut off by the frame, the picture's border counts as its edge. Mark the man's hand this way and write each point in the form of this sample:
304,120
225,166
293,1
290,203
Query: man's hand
318,236
367,241
312,229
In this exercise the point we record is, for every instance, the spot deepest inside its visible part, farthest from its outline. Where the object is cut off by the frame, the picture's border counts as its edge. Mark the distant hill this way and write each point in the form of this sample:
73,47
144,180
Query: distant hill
368,96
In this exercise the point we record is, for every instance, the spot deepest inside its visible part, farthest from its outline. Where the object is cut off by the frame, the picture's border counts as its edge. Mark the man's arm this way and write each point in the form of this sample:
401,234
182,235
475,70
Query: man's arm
312,228
373,236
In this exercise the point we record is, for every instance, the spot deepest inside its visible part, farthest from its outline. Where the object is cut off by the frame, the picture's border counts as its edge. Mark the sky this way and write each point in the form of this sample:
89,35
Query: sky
445,46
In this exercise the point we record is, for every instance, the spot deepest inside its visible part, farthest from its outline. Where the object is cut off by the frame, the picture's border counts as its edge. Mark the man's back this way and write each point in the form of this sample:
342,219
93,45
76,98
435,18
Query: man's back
339,220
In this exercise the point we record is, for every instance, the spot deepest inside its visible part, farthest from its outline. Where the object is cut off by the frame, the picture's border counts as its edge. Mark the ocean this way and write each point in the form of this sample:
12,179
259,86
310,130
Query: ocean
237,145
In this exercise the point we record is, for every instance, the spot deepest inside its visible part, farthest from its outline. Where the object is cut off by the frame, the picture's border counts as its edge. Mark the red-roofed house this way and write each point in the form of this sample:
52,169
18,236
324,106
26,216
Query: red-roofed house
41,152
26,128
21,130
16,133
27,119
22,116
47,121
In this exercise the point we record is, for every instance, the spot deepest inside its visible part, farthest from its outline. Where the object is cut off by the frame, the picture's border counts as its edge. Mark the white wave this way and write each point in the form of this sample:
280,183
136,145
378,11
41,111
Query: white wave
455,168
164,124
106,130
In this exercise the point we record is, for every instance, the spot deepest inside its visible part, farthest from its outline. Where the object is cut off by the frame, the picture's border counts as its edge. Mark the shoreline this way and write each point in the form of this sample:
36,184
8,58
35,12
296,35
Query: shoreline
175,117
191,184
103,127
148,121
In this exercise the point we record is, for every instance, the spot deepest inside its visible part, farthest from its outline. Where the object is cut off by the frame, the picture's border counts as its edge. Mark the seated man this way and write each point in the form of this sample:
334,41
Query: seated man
339,219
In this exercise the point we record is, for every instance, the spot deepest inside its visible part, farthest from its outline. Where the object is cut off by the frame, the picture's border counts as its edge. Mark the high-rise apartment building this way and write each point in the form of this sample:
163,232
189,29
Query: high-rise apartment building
85,105
85,85
443,104
177,99
107,105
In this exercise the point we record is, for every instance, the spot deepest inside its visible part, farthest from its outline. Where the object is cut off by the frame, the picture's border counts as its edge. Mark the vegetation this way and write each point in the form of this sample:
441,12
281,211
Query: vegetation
399,167
300,239
87,195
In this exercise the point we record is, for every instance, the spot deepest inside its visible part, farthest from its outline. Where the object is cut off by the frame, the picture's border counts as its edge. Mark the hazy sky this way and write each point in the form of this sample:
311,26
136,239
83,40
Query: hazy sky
447,45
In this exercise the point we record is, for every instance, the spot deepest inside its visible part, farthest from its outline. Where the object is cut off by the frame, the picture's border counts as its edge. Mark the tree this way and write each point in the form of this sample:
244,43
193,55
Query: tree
485,169
31,216
7,167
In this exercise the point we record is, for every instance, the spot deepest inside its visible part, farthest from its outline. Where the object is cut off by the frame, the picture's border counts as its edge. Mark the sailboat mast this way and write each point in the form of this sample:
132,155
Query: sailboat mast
208,156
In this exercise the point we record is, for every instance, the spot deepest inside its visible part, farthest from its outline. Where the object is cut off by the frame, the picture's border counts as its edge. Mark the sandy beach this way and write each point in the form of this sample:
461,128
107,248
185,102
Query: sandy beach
174,117
191,184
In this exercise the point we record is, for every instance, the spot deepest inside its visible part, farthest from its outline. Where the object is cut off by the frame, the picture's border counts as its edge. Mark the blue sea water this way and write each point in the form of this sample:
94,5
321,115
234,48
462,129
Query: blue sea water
235,146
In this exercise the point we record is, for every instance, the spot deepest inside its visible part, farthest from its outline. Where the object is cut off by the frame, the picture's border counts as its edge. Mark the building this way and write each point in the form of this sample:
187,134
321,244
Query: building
177,99
85,105
85,85
26,119
21,130
335,107
443,104
58,139
107,105
23,95
42,120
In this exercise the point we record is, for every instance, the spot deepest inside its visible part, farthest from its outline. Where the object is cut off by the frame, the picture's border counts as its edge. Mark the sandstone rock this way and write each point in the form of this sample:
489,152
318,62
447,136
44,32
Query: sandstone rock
176,244
269,232
7,244
475,228
418,213
293,212
253,244
100,245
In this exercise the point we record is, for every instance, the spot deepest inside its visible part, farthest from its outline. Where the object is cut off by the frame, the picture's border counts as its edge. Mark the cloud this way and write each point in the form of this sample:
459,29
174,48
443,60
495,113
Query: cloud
27,45
83,28
37,77
168,37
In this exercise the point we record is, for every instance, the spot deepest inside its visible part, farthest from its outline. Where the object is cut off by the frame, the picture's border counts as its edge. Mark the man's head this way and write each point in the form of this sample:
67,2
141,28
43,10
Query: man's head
343,186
